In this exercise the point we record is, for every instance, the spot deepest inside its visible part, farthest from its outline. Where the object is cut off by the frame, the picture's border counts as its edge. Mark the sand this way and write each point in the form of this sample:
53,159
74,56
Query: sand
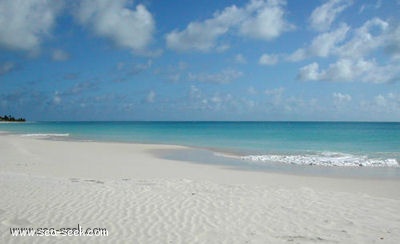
141,198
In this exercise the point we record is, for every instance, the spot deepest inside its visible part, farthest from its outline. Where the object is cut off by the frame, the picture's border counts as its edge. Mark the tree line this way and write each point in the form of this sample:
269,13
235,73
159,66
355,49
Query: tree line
11,119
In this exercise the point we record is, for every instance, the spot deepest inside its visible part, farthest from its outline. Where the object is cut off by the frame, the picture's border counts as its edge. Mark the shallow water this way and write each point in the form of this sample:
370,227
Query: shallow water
347,144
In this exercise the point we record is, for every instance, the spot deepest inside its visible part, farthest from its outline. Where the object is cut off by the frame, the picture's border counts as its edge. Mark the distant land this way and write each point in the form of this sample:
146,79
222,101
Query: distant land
10,118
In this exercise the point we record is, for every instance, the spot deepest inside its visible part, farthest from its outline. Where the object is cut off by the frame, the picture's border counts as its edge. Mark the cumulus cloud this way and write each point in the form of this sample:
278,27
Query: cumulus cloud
266,20
25,23
351,70
309,72
339,98
371,35
202,35
127,28
383,104
225,76
217,102
268,59
298,55
275,99
259,19
364,41
174,72
323,16
59,55
323,45
353,55
6,67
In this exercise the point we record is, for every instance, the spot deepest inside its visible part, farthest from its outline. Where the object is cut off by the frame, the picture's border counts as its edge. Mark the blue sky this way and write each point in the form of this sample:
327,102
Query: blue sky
200,60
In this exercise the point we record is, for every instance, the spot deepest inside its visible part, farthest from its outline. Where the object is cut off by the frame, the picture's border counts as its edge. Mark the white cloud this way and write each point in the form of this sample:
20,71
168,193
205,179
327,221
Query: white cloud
274,98
221,102
174,77
268,59
194,92
225,76
173,72
353,63
323,45
59,55
240,59
380,100
24,24
364,41
6,67
351,70
151,97
340,99
57,98
80,88
217,102
393,43
222,48
140,67
373,34
323,16
373,6
202,35
309,72
251,90
266,20
127,28
347,70
277,92
260,19
298,55
388,104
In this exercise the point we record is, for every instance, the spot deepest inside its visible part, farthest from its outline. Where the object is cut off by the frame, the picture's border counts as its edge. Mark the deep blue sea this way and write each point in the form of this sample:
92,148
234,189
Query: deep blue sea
298,143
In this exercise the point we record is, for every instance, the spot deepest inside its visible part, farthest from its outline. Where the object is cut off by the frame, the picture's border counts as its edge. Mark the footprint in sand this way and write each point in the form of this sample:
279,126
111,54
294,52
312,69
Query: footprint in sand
74,179
95,181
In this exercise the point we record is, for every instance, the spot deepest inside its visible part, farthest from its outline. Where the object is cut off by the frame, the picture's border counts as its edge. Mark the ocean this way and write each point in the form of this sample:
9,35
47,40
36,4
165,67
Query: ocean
331,144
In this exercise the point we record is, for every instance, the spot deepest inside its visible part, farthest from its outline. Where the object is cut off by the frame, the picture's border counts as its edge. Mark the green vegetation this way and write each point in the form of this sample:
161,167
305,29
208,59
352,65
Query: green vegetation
10,118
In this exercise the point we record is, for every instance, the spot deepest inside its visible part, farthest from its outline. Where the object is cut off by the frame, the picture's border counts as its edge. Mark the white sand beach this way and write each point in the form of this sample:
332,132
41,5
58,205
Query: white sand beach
141,198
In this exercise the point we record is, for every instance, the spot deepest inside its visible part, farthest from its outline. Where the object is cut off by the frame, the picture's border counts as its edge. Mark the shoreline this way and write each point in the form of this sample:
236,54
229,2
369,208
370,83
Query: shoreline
143,198
237,155
204,156
109,160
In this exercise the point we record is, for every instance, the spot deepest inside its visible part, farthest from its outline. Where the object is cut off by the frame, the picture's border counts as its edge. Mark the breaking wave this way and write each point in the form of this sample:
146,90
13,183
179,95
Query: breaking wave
46,135
324,159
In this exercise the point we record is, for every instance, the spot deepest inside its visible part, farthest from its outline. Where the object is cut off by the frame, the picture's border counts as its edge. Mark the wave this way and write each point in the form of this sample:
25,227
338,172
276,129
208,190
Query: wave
46,135
324,159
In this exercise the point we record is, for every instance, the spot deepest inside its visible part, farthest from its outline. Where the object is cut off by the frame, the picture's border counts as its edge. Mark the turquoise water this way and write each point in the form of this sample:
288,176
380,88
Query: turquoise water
304,143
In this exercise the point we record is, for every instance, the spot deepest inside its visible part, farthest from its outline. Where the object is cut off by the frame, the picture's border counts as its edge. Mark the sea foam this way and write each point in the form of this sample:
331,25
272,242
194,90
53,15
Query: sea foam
324,159
46,135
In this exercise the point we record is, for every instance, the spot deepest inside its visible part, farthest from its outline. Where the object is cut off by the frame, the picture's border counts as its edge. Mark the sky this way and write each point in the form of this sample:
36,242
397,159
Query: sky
274,60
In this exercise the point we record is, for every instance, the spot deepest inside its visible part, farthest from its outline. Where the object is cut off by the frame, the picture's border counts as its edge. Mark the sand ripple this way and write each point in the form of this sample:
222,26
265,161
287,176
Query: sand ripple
186,211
